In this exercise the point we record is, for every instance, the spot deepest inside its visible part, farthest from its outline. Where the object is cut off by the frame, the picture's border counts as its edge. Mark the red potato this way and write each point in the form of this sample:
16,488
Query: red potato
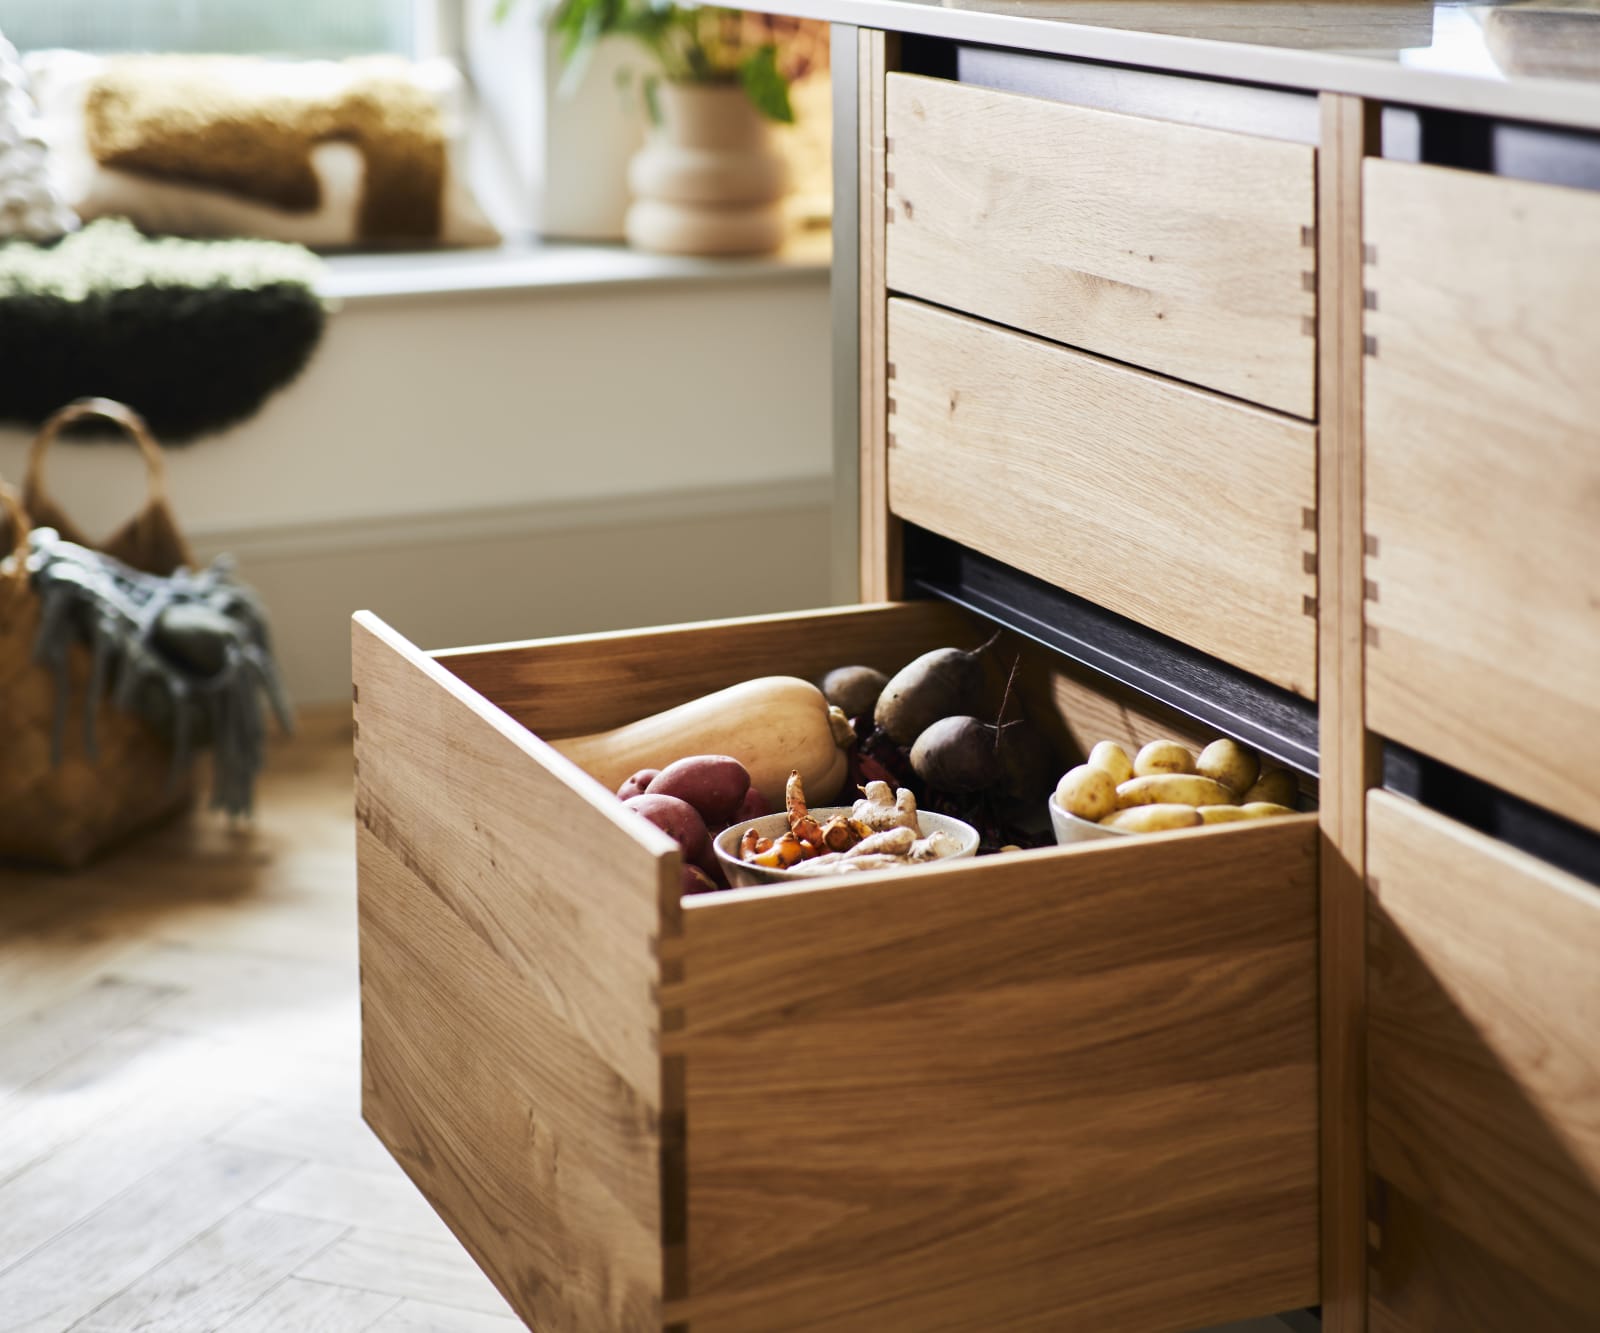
679,820
713,784
638,784
753,806
695,880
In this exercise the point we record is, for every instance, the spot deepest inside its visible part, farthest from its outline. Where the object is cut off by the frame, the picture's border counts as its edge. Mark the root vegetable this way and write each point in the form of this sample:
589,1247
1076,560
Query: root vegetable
1173,788
1087,792
692,879
854,689
946,682
1222,814
880,808
638,784
1278,786
753,806
679,820
714,784
1265,810
1163,757
1114,759
1153,818
958,754
1235,766
891,842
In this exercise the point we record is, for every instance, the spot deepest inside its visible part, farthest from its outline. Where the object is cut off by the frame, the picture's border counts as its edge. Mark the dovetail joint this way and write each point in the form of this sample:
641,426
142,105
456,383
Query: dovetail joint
888,179
1372,636
1308,326
355,693
1369,345
1308,236
1369,254
1308,520
1369,543
892,406
1369,298
1308,561
888,370
1308,605
1308,280
1369,589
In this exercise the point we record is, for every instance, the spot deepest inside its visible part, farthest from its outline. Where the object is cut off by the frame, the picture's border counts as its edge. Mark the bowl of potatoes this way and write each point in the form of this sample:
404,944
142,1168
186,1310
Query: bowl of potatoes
1167,786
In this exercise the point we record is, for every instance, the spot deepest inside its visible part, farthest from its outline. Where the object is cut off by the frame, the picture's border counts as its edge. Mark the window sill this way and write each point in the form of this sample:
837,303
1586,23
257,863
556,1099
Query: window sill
555,266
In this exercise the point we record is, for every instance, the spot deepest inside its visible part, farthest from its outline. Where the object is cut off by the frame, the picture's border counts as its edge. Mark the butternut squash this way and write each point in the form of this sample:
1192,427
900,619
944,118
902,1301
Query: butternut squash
772,725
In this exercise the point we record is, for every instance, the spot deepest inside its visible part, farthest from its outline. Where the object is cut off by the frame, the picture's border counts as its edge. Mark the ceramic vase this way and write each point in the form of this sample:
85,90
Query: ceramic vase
710,179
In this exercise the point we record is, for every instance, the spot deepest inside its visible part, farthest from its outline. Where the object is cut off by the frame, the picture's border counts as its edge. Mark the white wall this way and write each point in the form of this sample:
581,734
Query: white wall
512,464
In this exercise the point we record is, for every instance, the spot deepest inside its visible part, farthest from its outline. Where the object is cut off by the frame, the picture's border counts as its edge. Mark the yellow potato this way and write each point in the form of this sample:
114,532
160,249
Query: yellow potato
1235,766
1114,759
1152,818
1087,792
1278,786
1223,814
1264,810
1163,757
1173,789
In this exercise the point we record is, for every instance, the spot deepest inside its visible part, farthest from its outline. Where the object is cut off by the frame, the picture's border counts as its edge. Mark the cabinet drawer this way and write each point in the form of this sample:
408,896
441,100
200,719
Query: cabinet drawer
1187,250
1074,1086
1187,512
1483,476
1484,1081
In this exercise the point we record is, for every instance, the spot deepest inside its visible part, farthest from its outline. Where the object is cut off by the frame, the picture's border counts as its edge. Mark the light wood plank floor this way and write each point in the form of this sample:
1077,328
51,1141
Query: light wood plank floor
181,1147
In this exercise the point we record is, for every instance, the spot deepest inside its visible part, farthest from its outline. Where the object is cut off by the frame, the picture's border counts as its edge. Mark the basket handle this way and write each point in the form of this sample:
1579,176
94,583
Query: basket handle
11,504
130,421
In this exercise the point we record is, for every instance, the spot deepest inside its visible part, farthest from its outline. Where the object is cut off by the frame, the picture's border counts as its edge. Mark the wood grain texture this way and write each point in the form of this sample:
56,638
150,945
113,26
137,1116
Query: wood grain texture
1348,755
1070,1088
1484,1081
880,542
1483,482
1176,508
1162,245
509,917
592,682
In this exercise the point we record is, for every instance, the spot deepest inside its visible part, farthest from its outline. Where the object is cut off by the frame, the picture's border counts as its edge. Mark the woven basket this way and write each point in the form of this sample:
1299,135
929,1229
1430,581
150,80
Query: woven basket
65,814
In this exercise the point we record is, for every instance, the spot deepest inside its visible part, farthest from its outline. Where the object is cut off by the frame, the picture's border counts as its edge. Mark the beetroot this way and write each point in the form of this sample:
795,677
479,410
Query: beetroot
695,880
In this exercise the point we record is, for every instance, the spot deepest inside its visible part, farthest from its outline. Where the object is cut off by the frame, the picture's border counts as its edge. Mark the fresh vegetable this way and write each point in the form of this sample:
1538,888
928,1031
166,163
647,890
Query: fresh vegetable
1087,792
1222,814
638,784
946,682
1235,766
1028,763
692,879
679,820
1163,757
881,807
1265,809
753,806
1114,759
1153,818
958,754
771,725
1172,789
1278,786
714,784
854,689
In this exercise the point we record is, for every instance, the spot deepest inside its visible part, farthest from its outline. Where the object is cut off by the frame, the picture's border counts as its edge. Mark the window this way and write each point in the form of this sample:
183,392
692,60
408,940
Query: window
268,27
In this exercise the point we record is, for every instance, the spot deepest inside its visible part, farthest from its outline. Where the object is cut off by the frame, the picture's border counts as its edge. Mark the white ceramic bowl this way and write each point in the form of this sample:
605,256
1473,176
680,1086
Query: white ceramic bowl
1069,828
741,874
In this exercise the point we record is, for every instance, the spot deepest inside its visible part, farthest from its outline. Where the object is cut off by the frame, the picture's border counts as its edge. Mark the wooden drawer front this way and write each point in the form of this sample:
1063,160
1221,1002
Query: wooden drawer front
1483,477
1073,1087
1484,1082
1186,250
1190,513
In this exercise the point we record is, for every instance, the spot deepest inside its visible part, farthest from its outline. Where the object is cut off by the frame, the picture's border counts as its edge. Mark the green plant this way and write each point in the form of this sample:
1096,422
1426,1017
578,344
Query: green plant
696,44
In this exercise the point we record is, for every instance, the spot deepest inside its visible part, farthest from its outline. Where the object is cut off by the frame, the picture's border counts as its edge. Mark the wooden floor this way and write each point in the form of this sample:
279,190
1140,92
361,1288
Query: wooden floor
180,1142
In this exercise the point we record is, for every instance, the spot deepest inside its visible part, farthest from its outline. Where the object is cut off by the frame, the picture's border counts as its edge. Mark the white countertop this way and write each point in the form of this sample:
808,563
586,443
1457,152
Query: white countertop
1536,60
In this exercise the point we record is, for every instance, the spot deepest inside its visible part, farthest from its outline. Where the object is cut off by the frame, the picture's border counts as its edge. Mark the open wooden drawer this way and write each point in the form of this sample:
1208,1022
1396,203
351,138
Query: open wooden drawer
1066,1088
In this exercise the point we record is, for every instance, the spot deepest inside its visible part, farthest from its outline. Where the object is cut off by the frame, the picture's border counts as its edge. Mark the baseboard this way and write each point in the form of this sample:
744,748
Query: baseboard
451,579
